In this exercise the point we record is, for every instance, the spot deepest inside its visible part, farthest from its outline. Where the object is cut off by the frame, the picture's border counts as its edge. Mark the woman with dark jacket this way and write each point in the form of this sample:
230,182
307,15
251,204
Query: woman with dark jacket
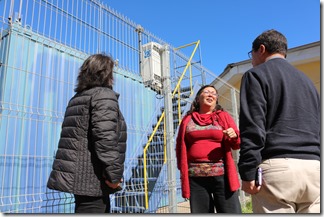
206,136
89,162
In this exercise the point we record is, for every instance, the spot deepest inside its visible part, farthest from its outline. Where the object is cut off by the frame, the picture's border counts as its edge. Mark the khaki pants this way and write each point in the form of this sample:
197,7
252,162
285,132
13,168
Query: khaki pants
289,186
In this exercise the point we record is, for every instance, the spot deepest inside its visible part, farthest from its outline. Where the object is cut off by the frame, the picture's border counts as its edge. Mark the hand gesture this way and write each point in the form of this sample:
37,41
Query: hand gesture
230,133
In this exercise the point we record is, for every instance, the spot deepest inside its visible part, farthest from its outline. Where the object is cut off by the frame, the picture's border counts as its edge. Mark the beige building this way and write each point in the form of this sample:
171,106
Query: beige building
306,58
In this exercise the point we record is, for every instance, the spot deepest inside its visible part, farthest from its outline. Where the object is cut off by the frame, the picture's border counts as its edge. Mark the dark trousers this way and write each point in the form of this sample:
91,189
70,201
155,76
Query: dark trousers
210,193
86,204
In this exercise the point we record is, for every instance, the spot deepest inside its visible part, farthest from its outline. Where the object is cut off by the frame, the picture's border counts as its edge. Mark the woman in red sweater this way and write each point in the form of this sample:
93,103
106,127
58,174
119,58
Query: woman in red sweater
208,173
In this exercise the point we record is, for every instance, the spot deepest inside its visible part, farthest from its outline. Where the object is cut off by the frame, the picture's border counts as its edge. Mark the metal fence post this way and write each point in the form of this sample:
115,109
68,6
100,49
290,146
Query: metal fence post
236,152
171,164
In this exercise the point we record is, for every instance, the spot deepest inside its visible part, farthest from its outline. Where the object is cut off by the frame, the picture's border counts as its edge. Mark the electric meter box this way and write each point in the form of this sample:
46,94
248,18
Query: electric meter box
151,65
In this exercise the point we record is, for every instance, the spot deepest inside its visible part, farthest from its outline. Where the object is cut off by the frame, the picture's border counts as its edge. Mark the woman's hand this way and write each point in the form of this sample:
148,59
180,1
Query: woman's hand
112,185
230,133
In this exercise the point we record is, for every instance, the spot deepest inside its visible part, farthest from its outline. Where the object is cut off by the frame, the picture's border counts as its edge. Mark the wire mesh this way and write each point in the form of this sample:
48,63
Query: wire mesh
43,44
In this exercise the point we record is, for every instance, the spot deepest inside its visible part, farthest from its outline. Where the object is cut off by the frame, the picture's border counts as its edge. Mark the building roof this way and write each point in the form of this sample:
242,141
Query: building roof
297,55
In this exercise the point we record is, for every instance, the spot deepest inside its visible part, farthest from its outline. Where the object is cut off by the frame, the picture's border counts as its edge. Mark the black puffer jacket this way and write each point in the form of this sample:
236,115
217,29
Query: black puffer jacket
92,144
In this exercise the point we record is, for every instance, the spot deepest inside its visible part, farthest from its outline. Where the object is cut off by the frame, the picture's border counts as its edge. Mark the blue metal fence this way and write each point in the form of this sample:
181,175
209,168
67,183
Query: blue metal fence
43,44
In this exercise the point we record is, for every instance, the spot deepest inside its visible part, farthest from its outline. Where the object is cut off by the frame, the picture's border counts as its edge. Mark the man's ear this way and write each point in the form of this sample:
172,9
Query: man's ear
262,49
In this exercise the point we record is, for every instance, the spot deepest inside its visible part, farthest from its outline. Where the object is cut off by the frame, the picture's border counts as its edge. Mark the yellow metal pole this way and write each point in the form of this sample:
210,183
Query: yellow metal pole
164,141
145,150
188,63
179,104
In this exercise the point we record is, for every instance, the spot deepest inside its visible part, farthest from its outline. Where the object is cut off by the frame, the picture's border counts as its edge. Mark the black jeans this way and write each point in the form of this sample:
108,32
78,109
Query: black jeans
208,193
86,204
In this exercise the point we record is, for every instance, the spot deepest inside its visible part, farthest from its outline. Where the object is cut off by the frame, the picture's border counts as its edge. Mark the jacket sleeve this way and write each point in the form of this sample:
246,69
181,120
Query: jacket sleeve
180,141
252,124
235,142
104,120
178,146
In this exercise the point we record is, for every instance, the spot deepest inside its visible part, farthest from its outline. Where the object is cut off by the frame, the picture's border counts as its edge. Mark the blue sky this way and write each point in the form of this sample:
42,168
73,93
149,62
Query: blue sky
225,28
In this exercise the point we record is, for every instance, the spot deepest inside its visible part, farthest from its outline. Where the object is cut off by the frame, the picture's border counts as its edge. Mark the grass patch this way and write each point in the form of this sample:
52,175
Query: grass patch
248,207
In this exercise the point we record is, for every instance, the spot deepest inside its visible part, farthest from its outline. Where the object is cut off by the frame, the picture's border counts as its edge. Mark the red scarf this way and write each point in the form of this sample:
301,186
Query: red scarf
207,119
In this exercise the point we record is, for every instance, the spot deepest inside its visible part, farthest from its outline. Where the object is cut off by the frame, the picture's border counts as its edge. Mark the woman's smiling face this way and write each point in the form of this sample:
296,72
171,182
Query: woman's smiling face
207,100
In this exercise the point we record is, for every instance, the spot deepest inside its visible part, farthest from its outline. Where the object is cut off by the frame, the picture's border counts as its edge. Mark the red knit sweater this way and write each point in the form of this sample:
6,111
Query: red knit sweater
223,119
203,142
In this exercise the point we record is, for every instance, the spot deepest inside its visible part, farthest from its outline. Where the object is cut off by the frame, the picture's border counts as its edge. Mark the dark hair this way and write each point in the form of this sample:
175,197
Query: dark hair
96,71
195,103
274,42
